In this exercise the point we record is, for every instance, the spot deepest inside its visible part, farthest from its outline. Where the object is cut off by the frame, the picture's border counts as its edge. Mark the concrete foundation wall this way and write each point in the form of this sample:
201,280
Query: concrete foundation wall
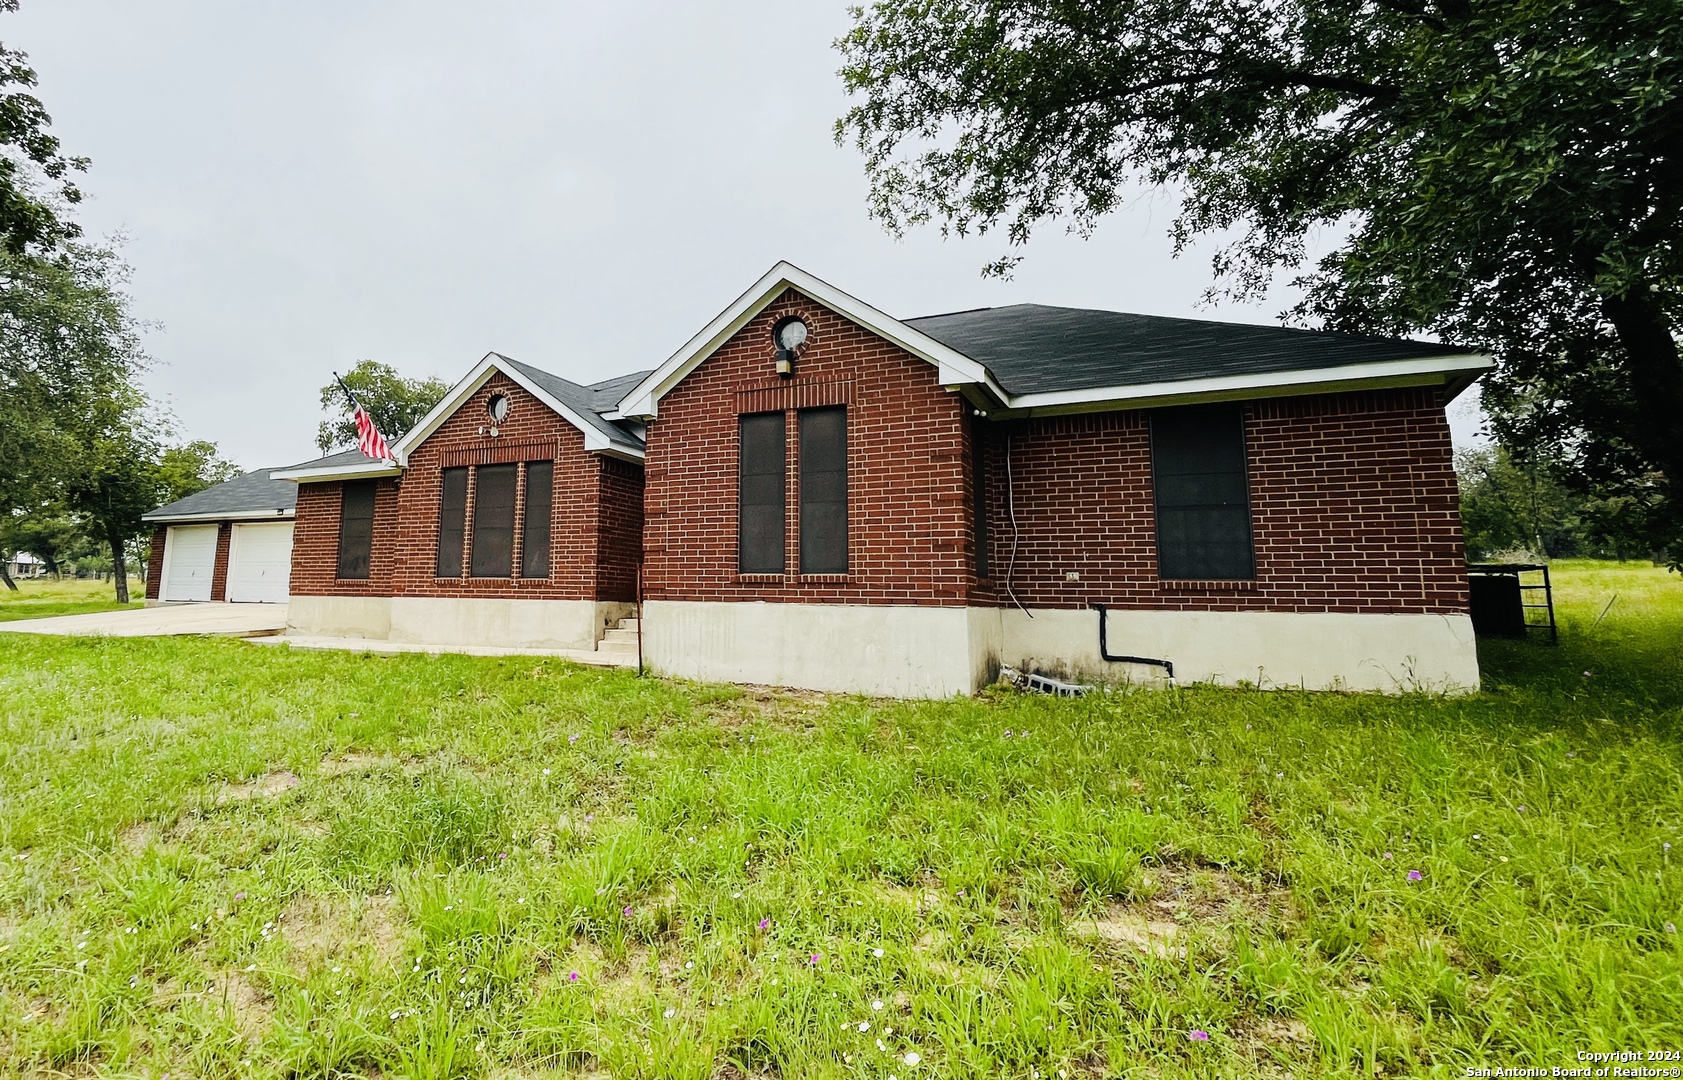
426,620
910,652
340,616
925,652
1313,650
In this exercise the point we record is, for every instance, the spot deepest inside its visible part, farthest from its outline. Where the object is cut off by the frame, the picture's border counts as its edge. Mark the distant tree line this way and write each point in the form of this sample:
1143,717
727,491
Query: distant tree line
1521,507
83,454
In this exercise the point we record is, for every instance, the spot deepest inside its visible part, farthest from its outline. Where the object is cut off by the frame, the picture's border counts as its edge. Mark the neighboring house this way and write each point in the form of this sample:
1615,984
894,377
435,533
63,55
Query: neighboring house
228,542
841,500
24,565
511,516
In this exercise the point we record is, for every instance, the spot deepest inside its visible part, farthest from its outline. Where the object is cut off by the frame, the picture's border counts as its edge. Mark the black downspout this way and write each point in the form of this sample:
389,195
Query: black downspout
1104,649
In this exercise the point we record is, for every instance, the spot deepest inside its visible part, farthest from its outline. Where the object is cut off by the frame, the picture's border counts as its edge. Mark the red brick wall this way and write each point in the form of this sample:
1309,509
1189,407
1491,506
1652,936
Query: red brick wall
405,551
219,573
908,505
155,562
620,533
1354,502
1353,508
315,542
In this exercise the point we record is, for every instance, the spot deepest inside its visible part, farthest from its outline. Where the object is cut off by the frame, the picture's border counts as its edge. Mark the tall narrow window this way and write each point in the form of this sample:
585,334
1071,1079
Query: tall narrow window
356,529
761,489
534,544
979,499
493,521
824,491
1203,497
452,523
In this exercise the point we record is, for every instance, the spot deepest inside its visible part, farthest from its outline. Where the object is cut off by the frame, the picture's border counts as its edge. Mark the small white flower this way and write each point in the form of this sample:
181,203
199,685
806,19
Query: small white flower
546,772
881,1046
876,1006
912,1057
690,966
877,953
670,1013
864,1026
81,944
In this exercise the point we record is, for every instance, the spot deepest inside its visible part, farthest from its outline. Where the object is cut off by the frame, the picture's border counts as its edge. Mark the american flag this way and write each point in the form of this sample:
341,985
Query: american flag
368,437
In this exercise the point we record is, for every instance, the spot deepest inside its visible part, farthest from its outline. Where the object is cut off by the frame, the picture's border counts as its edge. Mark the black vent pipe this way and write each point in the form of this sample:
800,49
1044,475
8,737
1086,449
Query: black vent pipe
1104,649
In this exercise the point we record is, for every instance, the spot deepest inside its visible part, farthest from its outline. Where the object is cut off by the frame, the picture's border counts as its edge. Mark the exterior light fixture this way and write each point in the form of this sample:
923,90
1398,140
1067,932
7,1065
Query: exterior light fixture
788,335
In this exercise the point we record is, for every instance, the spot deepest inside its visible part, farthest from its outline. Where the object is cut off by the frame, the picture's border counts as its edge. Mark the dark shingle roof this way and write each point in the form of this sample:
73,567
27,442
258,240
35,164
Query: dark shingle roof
1033,348
333,461
253,494
590,402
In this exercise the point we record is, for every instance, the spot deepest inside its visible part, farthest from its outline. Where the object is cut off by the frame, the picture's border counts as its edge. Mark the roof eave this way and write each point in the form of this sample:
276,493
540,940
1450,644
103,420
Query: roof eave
1455,373
371,470
272,514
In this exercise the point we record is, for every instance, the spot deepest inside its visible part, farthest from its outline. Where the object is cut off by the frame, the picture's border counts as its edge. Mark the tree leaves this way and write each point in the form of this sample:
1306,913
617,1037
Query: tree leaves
1507,176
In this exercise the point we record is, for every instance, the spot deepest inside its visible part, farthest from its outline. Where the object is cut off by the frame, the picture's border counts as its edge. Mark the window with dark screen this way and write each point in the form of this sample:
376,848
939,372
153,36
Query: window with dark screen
452,522
823,452
761,493
356,530
534,531
493,520
1203,496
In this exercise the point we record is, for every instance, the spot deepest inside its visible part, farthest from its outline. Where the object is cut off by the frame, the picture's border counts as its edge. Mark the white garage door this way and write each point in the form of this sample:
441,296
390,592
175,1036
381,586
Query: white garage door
189,561
260,563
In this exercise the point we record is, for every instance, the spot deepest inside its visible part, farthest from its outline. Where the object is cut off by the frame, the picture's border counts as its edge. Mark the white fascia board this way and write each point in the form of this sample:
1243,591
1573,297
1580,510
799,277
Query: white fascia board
954,368
242,515
357,471
595,441
1430,369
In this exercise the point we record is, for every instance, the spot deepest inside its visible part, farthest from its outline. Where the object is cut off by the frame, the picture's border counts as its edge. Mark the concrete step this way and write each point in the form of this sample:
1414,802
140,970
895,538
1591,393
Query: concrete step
618,650
621,636
627,624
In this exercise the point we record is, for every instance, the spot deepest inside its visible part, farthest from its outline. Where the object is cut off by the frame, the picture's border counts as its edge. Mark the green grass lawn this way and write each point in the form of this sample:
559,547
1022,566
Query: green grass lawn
43,597
220,860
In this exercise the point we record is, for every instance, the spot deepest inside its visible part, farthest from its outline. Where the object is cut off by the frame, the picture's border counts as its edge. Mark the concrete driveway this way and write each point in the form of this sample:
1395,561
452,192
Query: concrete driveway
221,620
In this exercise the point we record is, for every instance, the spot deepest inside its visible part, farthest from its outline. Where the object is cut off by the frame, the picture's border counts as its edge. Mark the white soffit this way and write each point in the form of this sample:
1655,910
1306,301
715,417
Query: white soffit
1432,370
355,471
954,368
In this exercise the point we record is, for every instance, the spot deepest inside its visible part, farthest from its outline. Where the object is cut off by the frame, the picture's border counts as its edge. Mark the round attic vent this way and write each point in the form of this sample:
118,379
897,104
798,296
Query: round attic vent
497,407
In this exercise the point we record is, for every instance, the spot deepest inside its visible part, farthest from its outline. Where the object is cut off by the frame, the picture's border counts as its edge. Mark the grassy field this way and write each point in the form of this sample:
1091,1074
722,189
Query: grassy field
218,860
43,597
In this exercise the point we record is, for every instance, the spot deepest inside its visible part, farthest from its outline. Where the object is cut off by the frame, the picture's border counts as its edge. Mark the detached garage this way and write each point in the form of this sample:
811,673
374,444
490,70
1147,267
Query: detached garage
230,542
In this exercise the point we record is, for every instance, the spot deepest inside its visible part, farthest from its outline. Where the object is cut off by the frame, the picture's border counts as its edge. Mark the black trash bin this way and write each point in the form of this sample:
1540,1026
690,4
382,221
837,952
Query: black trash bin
1499,600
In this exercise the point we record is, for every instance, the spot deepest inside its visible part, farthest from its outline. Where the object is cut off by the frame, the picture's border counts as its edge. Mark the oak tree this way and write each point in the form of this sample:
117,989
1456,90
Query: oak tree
1508,176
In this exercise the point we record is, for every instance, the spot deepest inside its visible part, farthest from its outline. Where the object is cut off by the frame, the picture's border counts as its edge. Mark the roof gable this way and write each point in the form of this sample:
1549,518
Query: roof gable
580,406
955,369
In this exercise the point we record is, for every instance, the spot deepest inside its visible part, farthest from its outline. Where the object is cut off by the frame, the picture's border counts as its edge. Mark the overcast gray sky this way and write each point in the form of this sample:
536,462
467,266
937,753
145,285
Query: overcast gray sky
579,186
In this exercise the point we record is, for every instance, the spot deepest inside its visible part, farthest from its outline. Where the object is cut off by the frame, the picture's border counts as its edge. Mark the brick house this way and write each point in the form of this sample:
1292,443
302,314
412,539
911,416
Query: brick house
837,499
510,516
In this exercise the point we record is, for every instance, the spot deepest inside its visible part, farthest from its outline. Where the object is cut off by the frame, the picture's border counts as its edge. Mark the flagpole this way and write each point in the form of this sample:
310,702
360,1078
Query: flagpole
350,395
